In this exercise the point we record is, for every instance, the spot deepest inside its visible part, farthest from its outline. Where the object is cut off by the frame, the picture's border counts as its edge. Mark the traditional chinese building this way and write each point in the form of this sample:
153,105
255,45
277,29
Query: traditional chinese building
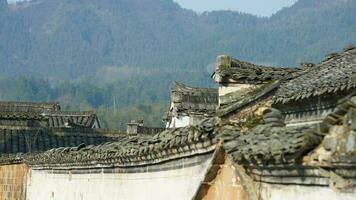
190,105
277,133
34,127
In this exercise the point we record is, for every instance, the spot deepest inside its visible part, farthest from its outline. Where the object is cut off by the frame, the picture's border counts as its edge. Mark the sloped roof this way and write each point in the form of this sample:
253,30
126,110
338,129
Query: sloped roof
335,74
266,144
189,99
133,151
27,107
230,70
53,118
269,143
42,139
65,118
21,115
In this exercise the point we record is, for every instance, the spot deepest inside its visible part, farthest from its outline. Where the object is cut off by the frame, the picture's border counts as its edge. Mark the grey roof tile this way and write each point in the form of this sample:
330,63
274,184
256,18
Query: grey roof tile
189,99
335,74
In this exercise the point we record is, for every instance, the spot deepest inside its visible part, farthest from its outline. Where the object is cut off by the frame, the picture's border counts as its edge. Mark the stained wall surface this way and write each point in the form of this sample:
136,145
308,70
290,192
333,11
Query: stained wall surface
13,182
224,184
299,192
173,180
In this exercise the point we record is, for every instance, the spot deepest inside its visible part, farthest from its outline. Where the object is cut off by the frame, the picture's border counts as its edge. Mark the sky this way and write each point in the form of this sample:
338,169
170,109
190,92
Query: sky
256,7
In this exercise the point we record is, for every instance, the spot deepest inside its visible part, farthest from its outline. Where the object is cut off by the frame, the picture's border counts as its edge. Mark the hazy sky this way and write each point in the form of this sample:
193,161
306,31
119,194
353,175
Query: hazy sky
257,7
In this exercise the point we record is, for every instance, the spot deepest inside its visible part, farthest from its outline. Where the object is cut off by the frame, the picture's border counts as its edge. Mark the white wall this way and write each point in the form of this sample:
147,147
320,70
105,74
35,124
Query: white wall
168,185
224,90
179,121
295,192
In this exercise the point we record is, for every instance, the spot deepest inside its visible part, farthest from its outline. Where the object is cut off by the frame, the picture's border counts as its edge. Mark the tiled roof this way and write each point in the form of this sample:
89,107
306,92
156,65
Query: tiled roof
230,70
134,151
189,99
27,107
268,143
63,119
271,143
42,139
335,74
50,118
21,116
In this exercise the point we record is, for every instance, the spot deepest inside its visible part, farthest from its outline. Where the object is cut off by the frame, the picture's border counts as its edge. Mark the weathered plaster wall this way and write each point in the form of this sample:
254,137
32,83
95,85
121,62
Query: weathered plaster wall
224,90
226,185
177,180
221,182
298,192
179,121
13,182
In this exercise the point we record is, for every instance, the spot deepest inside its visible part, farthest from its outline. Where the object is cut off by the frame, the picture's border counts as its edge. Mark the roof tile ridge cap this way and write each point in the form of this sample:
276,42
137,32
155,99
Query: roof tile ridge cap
296,74
336,55
149,158
28,102
184,88
349,48
252,65
226,62
66,113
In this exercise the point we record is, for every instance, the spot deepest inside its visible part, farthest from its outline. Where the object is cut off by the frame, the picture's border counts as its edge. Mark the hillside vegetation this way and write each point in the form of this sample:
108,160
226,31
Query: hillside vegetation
94,54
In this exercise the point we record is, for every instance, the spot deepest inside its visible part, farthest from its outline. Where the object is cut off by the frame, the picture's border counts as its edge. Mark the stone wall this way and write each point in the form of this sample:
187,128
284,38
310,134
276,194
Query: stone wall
13,182
172,180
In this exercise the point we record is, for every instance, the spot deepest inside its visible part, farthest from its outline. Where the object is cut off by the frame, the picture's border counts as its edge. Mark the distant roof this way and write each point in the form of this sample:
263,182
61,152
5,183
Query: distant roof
189,99
51,113
336,73
67,118
12,106
230,70
20,141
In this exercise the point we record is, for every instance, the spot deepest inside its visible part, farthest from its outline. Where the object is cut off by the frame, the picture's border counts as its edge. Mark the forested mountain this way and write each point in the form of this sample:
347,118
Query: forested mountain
92,53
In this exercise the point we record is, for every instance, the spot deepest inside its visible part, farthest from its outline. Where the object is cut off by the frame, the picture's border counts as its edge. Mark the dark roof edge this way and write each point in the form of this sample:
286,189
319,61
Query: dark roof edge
224,63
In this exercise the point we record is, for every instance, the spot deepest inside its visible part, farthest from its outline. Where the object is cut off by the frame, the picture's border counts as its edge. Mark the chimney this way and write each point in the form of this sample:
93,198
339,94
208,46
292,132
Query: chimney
134,127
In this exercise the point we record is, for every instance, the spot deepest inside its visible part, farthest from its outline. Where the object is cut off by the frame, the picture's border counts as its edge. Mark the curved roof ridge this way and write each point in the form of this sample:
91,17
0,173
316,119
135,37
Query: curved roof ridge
69,113
231,70
133,151
181,87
